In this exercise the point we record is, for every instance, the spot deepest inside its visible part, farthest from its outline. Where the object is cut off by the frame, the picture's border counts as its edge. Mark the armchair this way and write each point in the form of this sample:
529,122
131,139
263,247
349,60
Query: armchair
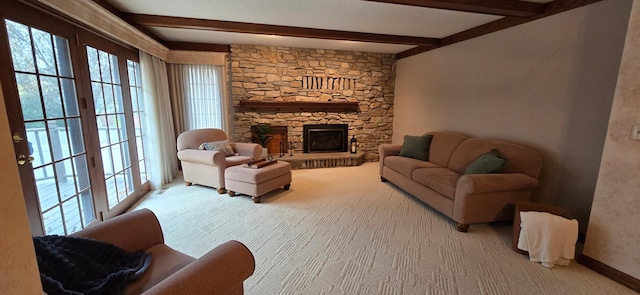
206,167
220,271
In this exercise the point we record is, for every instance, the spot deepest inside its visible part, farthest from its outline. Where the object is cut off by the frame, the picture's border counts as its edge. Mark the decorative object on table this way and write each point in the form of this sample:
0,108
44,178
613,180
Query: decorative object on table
260,163
354,145
282,149
291,148
260,134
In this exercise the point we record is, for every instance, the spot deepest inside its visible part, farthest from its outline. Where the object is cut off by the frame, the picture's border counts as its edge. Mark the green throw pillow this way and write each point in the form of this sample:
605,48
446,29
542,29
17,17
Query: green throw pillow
416,147
487,163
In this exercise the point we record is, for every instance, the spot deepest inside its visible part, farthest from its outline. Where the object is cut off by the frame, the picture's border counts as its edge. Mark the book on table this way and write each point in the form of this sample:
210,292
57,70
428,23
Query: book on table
259,163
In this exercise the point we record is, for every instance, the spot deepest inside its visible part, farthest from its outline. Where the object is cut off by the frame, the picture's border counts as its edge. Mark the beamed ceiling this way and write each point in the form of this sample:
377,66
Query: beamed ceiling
402,27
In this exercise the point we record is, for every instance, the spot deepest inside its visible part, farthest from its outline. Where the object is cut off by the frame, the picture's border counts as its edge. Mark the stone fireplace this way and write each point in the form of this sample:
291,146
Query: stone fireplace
294,87
325,138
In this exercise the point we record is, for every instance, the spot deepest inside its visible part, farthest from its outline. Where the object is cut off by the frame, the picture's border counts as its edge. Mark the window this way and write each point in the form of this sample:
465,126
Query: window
202,91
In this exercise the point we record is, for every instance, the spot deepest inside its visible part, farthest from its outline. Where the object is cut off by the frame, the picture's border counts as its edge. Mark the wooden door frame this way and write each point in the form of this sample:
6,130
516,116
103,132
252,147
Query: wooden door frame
31,17
52,22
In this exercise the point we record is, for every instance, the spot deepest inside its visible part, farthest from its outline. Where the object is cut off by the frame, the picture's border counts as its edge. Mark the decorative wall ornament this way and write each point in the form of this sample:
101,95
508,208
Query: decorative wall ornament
329,83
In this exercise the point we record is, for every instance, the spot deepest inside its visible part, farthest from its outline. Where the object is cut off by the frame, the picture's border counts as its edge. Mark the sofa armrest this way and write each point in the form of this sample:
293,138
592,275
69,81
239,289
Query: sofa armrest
213,158
132,231
496,182
481,198
221,271
248,149
386,149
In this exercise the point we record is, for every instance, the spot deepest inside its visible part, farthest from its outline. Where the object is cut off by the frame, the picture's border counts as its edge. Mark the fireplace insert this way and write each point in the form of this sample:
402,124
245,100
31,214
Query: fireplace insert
325,138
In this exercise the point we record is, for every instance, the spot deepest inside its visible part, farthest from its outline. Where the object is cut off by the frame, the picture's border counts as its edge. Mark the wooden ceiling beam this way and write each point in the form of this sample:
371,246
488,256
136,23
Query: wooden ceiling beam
191,46
252,28
551,8
493,7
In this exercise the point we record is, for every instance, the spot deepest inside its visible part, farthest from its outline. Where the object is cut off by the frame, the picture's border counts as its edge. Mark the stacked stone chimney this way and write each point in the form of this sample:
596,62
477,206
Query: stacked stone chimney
262,73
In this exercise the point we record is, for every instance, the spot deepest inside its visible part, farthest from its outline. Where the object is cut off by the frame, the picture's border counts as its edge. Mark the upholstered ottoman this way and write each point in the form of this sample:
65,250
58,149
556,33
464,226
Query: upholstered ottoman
257,182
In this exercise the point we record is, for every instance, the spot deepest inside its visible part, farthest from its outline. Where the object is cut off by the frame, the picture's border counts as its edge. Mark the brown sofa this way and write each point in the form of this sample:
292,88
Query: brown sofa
440,181
220,271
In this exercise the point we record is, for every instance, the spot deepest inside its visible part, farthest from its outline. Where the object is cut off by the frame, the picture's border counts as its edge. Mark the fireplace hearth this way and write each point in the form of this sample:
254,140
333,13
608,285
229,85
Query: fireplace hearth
325,138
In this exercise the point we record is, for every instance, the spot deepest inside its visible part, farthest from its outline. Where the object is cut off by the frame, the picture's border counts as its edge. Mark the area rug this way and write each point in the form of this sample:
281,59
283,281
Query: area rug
342,231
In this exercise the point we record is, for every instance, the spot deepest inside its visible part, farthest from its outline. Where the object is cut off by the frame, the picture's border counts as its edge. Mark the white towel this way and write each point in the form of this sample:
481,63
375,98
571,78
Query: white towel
550,239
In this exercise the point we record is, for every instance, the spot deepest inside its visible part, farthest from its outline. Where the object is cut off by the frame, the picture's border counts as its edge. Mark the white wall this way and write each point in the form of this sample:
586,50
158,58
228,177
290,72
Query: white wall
547,84
613,236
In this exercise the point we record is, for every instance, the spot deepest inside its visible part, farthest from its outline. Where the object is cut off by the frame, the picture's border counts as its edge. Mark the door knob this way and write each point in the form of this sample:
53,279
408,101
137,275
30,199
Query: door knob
22,159
17,137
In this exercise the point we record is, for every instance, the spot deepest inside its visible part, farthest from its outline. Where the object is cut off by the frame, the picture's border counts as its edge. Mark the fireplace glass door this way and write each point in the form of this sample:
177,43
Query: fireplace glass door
325,138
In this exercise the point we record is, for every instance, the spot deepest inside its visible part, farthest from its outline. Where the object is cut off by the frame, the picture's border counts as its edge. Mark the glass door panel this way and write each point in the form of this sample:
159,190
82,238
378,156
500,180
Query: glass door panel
139,118
111,122
53,128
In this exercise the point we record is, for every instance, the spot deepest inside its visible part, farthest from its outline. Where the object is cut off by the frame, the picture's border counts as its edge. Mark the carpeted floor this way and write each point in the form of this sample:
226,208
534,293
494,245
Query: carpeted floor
342,231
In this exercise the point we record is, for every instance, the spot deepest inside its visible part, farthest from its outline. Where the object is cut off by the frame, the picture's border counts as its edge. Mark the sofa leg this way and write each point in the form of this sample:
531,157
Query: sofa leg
256,199
222,190
231,193
187,183
463,228
383,179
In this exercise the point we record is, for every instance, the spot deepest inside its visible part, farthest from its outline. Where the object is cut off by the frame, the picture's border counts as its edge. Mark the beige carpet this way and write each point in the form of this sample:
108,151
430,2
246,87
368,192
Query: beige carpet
342,231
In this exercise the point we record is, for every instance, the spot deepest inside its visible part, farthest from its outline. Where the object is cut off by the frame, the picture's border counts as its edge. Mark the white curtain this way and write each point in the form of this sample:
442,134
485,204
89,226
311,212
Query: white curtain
199,97
179,105
162,139
225,105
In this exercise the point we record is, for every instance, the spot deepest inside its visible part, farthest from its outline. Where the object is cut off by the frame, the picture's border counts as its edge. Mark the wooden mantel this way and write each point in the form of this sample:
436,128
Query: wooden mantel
298,106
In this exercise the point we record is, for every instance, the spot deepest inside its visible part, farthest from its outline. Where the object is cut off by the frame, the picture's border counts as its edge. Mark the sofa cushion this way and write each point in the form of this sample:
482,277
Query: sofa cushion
443,145
416,147
487,163
520,159
441,180
405,166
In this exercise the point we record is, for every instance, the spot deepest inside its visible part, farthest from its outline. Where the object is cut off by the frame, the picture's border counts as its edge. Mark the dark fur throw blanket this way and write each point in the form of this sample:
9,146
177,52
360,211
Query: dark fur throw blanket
70,265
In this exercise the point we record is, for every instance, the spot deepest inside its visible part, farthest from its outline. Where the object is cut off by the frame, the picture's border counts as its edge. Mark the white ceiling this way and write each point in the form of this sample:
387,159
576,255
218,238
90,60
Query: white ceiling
343,15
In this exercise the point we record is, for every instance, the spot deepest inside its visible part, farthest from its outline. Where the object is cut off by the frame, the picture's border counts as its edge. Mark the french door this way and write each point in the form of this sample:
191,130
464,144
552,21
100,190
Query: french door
109,106
68,93
52,128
